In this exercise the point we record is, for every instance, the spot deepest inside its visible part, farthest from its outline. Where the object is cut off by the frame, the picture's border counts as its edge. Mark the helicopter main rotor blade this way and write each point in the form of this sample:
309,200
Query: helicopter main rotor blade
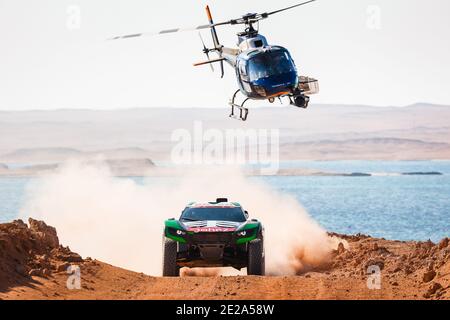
174,30
241,20
265,15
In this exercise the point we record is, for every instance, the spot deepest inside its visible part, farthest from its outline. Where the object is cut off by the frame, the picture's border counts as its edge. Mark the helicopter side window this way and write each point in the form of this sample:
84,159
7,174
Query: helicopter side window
243,71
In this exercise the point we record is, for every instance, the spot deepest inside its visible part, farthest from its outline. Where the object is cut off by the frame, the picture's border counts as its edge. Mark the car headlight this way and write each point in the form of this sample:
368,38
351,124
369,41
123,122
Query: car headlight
246,233
176,232
181,232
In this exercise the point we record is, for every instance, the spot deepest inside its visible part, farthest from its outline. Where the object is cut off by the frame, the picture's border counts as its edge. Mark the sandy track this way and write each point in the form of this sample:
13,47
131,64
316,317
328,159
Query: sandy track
103,281
409,270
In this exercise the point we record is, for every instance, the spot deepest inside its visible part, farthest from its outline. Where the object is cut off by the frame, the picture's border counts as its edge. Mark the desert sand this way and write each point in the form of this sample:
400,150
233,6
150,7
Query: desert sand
33,266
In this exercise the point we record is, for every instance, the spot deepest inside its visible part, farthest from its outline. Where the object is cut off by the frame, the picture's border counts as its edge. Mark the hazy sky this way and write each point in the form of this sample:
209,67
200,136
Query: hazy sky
377,52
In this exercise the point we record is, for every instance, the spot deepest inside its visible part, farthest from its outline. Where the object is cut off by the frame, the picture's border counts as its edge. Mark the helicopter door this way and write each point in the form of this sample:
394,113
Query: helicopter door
243,77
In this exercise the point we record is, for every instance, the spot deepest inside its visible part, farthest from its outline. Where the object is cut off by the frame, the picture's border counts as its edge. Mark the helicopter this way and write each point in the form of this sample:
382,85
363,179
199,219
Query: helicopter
263,71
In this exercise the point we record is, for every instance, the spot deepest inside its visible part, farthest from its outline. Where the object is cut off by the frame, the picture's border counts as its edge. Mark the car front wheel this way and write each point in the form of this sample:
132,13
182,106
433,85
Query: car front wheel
256,258
170,268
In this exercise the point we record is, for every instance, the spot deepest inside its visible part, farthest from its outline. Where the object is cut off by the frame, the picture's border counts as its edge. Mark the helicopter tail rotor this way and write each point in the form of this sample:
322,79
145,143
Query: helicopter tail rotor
213,29
210,61
217,45
206,51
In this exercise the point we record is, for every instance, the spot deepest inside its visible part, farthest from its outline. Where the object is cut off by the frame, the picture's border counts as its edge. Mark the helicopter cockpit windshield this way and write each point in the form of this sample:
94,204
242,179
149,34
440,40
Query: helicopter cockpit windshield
268,63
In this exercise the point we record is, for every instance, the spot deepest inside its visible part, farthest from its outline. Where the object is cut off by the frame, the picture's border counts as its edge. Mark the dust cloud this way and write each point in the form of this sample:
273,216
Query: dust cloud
120,220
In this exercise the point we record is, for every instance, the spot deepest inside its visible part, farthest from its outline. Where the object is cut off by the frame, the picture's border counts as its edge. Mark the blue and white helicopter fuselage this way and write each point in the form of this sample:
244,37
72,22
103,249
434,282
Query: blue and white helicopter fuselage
263,71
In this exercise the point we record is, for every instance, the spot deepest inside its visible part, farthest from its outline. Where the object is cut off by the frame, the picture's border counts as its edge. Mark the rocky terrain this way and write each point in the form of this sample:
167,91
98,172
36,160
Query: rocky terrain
31,251
34,265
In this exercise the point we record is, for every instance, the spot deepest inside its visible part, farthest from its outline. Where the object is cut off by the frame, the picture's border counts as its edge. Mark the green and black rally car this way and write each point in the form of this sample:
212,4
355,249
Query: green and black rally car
213,234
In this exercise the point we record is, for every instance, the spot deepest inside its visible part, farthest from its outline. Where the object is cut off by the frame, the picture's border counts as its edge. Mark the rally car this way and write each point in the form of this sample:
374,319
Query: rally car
213,234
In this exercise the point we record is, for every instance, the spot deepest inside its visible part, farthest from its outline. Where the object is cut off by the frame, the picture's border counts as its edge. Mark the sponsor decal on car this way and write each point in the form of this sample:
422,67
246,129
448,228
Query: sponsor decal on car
211,229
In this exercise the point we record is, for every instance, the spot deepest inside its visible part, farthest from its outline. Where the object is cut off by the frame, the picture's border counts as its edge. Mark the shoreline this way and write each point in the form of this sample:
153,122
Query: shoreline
155,171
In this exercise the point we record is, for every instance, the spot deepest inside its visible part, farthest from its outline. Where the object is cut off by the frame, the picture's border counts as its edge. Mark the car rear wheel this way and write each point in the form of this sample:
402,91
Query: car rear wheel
256,258
170,268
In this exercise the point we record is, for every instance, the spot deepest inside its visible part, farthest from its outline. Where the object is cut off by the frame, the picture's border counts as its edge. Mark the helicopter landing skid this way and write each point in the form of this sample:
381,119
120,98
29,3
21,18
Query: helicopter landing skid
243,112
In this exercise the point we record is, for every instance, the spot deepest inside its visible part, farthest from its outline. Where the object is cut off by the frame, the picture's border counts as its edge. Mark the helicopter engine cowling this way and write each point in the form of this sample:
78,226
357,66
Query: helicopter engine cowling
247,43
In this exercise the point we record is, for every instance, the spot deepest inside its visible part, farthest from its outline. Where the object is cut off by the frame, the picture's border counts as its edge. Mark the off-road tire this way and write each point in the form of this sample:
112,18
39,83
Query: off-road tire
256,258
170,268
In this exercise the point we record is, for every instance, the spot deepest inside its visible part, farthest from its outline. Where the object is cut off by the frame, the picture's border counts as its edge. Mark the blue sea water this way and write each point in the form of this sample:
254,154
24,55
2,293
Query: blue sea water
391,206
12,193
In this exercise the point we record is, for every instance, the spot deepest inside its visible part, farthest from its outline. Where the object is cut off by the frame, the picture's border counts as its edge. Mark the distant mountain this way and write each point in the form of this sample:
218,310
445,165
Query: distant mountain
57,155
39,154
122,167
121,153
419,131
366,149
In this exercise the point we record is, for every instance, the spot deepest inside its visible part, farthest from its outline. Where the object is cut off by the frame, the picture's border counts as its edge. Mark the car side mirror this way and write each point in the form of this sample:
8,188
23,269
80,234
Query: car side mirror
246,213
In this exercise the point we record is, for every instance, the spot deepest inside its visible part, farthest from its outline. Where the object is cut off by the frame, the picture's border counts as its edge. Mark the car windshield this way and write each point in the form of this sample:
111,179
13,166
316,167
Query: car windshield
213,213
266,64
